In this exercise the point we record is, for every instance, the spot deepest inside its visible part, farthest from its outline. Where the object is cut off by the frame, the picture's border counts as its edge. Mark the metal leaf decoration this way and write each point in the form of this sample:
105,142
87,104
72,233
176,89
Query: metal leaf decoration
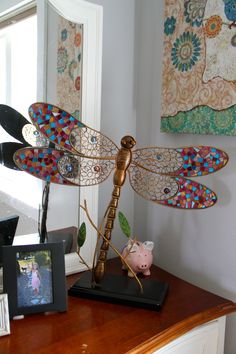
124,224
81,235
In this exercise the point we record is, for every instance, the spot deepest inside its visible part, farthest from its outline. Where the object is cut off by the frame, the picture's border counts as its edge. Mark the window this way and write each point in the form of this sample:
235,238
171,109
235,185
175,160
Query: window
18,64
18,89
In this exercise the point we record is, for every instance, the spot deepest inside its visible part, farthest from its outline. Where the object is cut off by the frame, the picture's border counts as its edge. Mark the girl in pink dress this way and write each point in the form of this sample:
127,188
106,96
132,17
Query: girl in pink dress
35,282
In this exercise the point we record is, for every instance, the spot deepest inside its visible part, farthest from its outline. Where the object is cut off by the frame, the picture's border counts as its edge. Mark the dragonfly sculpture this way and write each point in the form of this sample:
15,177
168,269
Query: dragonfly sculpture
85,157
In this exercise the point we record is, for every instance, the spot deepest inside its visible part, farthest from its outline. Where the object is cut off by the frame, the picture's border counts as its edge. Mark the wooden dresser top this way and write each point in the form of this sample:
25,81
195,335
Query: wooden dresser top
91,326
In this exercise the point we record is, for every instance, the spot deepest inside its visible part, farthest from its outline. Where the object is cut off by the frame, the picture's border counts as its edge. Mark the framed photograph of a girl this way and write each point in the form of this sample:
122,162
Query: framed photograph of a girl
34,278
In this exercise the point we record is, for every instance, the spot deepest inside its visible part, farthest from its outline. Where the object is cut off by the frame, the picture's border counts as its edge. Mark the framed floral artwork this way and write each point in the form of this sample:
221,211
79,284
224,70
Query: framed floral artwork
69,66
199,69
73,77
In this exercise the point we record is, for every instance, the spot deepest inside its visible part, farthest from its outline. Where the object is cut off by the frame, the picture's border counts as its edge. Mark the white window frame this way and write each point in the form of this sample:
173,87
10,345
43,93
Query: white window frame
91,17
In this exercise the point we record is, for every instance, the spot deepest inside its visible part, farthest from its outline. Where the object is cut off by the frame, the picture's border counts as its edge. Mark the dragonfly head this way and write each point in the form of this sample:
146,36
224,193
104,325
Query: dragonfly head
128,142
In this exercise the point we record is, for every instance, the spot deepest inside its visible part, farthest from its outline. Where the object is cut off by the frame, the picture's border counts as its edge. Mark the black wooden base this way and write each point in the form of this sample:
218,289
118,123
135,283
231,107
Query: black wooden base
122,289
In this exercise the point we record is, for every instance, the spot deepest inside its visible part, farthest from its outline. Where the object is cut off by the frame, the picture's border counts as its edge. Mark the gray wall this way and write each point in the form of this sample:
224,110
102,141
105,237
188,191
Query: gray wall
198,246
118,116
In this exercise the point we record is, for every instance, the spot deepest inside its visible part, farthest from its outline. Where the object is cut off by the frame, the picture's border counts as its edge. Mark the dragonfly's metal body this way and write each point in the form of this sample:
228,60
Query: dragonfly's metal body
123,161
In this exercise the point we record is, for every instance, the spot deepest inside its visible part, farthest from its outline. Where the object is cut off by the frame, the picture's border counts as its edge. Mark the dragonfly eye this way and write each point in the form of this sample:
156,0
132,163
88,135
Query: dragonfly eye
128,142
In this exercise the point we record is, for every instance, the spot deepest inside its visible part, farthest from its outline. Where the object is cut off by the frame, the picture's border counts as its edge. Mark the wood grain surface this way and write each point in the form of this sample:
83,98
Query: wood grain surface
91,326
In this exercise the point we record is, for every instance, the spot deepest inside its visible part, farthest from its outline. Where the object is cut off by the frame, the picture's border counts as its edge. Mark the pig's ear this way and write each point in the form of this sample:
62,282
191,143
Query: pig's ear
148,245
133,247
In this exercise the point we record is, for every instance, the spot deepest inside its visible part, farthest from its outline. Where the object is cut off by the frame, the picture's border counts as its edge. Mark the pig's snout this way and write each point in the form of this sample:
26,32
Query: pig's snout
144,266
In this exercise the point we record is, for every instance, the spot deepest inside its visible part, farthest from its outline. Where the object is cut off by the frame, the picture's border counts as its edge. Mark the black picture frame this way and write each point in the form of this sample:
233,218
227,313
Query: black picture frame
34,278
8,225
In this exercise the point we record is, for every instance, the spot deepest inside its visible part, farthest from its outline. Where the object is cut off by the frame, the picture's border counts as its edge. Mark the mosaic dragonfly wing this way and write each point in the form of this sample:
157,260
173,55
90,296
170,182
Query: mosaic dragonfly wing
41,163
171,191
158,174
57,166
190,161
67,132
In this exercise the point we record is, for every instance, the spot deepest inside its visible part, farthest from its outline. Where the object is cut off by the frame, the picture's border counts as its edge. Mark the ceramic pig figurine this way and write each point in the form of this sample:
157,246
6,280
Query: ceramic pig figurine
139,256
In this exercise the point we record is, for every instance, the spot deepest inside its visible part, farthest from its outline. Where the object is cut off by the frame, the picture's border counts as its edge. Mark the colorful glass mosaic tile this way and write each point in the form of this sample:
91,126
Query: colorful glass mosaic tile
191,195
54,123
41,163
201,160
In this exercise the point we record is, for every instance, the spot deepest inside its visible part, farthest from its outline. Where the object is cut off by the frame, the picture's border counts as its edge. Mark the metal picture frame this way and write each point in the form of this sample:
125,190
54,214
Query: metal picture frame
4,315
34,278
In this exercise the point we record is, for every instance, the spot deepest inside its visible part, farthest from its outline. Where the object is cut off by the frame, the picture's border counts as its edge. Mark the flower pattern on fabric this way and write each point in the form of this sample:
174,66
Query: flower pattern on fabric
77,83
76,114
233,41
77,39
222,122
202,120
230,10
193,97
72,24
194,11
62,59
69,65
64,34
186,51
213,26
169,25
72,68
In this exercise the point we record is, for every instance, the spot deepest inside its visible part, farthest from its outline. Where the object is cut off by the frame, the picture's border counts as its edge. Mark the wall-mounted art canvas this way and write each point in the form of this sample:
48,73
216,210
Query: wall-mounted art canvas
199,67
69,66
